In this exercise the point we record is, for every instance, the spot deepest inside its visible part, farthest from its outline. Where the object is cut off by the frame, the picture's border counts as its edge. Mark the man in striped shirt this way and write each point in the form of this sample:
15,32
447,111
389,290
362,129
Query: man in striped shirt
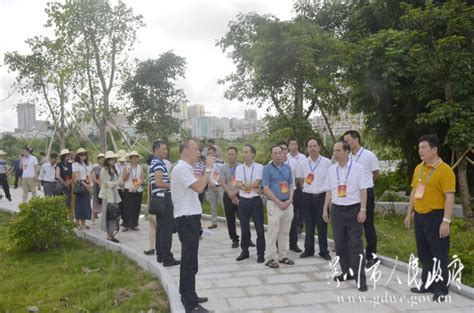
158,174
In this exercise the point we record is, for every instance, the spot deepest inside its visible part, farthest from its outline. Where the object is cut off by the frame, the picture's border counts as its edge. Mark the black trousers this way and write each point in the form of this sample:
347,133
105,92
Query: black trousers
297,221
49,188
165,224
252,207
231,212
121,204
369,227
429,246
131,208
348,239
4,183
313,217
18,175
188,231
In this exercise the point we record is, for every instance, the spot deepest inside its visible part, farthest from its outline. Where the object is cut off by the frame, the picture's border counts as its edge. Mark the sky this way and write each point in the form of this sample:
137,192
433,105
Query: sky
190,28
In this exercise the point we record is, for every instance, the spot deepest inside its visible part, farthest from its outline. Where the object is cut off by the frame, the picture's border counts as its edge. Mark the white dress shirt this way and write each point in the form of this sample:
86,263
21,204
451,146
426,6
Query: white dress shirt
298,158
319,169
185,199
48,172
248,174
353,176
369,162
29,164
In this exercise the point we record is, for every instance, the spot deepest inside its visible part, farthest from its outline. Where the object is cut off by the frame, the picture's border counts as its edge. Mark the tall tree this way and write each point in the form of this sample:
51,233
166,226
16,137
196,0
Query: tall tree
100,35
155,97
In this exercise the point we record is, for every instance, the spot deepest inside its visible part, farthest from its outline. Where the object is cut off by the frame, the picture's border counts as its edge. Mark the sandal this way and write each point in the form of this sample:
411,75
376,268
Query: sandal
286,261
125,229
272,264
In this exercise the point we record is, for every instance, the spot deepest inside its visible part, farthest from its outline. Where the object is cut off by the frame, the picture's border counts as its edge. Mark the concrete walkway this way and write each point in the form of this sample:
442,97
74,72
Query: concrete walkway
251,287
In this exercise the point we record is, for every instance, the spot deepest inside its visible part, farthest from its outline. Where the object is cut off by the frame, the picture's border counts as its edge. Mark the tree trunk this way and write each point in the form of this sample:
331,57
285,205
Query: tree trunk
463,185
61,130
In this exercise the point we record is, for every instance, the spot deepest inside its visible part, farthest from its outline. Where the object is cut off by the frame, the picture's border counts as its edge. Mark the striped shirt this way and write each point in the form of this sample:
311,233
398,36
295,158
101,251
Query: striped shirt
158,165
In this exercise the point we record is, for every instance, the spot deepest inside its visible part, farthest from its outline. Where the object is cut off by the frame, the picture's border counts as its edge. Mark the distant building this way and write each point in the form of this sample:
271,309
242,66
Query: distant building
341,123
250,115
195,111
26,117
182,113
203,127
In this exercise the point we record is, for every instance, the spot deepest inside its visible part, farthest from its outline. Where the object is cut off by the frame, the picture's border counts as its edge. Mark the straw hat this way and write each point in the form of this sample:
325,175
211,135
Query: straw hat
2,152
100,155
110,155
133,153
64,151
121,155
81,150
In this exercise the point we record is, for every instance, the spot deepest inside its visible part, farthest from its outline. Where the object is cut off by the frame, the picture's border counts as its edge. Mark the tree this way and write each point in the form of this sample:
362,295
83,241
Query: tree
154,95
100,36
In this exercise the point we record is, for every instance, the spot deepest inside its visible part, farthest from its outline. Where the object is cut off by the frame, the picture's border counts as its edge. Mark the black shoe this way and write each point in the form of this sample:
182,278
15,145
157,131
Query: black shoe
113,239
363,288
171,263
305,255
235,244
149,252
197,309
242,256
421,290
344,277
296,249
251,244
260,259
326,256
9,199
159,259
202,299
371,263
439,297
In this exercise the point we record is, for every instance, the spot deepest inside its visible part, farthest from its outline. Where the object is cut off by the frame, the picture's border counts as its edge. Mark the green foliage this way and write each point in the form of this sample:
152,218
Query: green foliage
41,224
392,181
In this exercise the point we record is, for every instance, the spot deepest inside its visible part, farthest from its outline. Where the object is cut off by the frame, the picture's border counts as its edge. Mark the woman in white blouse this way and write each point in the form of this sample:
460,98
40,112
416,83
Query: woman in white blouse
82,180
133,177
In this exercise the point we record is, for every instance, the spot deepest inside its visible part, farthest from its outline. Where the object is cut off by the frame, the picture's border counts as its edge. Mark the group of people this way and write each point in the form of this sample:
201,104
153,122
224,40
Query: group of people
294,188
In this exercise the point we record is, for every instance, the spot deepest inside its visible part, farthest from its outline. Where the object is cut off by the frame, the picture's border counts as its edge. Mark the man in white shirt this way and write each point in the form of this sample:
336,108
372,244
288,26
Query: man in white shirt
295,157
248,176
214,191
346,191
47,176
187,212
311,175
29,164
370,163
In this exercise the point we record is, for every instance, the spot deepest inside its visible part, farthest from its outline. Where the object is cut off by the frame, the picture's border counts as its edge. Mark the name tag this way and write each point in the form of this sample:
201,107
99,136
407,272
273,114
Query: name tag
283,187
420,190
342,190
309,179
233,180
135,182
247,188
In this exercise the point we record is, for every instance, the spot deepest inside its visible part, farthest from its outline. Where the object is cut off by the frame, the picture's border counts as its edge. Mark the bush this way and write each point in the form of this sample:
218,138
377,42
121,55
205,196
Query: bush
41,224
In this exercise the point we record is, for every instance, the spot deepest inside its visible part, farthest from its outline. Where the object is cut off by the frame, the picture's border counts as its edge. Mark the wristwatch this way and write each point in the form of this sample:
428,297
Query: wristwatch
208,170
447,220
363,209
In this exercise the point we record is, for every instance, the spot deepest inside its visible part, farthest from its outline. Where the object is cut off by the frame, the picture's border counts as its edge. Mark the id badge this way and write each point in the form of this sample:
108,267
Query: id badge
309,179
247,188
283,187
342,191
215,176
420,190
233,181
135,182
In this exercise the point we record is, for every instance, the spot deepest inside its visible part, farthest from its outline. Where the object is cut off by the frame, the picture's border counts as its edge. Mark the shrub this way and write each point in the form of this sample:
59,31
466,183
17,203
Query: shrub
41,224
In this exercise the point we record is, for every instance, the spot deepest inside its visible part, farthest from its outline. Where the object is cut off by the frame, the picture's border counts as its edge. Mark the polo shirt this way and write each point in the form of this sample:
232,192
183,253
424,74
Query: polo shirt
440,181
319,169
227,174
248,174
29,165
298,158
353,175
185,199
272,176
157,164
369,162
48,172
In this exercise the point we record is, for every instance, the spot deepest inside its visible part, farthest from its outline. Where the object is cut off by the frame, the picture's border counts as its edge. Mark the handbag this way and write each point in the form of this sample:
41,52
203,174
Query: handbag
80,189
156,205
113,210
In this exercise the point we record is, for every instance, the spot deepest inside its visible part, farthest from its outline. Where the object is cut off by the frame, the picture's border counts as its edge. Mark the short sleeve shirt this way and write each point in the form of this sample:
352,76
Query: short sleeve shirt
248,174
273,176
319,171
185,199
158,165
369,162
227,174
29,165
83,169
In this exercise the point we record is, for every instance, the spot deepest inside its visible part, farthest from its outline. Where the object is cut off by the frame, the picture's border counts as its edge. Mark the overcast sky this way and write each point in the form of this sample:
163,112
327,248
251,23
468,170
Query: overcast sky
188,27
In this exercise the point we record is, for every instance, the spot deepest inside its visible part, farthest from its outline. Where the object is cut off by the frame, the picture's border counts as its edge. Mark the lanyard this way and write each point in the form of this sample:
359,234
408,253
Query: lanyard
251,174
361,151
317,163
136,172
232,170
347,175
429,175
280,174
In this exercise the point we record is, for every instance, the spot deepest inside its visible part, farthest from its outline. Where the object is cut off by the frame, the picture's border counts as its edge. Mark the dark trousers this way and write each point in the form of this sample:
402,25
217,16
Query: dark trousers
131,208
231,212
18,175
49,188
251,207
4,183
348,239
313,217
164,227
429,246
297,221
369,227
188,231
121,204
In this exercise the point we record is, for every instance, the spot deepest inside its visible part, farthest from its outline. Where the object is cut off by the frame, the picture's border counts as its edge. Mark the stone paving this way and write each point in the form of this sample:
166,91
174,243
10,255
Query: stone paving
304,287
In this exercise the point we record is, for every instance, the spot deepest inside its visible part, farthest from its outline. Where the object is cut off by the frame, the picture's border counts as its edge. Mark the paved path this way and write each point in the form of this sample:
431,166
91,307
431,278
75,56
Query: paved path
304,287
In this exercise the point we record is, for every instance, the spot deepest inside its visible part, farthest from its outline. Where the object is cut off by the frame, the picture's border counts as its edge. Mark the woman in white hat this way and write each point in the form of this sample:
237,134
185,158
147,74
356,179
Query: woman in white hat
64,177
96,201
4,176
110,183
133,179
82,176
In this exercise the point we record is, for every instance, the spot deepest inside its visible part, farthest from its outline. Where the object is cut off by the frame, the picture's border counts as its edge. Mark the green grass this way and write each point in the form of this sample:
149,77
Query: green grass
77,277
394,240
